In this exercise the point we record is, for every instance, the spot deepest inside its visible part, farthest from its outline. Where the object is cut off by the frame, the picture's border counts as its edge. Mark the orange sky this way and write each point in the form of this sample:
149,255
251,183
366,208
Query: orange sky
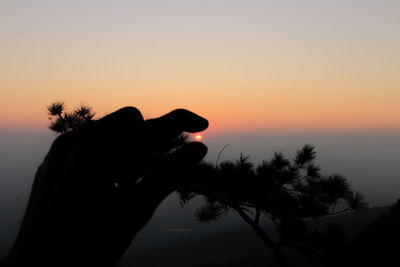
245,66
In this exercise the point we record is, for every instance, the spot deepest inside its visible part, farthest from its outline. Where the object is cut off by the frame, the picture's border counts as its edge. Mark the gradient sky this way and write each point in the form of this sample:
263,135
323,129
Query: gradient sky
256,69
245,65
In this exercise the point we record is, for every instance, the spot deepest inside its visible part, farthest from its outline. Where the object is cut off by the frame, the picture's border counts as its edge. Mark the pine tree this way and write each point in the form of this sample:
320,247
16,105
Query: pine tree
288,192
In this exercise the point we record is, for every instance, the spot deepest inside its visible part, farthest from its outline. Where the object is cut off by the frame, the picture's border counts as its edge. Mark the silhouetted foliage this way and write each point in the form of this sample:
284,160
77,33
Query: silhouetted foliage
62,121
56,109
288,192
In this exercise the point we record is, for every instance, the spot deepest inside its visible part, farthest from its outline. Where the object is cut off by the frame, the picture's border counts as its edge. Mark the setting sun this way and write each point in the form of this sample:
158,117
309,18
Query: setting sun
198,137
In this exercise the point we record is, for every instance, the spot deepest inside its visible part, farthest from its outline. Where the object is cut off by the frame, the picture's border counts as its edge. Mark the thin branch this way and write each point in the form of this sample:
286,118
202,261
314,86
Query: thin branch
248,210
301,178
334,206
340,211
244,215
225,210
275,247
256,227
219,154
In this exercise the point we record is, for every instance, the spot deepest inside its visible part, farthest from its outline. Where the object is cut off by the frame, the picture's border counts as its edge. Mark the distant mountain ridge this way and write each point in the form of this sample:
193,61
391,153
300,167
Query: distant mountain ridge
231,243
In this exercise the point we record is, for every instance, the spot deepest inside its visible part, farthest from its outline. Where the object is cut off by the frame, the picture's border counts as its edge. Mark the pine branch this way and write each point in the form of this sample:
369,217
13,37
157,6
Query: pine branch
219,154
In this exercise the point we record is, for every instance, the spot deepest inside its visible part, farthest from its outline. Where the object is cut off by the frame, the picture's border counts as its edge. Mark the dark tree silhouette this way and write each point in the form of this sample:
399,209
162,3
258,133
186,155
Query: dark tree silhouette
62,122
288,192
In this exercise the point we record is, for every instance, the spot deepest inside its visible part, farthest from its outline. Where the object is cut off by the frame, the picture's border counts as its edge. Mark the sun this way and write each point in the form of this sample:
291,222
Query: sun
198,137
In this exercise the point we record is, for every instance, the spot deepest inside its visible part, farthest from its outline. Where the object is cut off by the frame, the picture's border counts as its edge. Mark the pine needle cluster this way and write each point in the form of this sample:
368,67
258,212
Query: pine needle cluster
62,121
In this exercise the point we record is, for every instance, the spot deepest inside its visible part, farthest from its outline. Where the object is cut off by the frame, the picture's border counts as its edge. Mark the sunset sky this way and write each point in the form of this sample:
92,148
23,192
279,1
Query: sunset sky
270,76
245,65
